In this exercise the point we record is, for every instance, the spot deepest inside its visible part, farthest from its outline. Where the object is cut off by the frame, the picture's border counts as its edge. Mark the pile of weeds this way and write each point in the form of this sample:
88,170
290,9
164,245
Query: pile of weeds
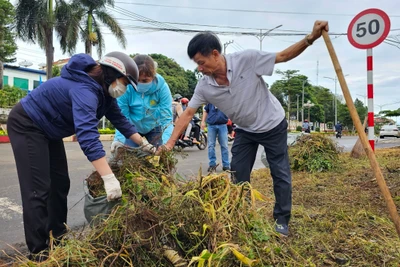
338,219
314,153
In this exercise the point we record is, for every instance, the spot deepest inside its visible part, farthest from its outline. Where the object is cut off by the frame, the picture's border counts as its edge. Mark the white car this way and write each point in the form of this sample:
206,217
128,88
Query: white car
389,130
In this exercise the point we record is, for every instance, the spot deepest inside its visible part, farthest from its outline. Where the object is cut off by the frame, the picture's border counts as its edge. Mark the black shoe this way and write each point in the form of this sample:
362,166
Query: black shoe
212,169
282,229
226,169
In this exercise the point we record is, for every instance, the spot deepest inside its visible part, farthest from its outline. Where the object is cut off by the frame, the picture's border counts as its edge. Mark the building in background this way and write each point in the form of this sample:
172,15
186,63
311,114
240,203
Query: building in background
24,78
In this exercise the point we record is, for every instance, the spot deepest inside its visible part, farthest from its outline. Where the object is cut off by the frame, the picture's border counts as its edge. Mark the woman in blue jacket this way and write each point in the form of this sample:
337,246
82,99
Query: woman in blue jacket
63,106
148,106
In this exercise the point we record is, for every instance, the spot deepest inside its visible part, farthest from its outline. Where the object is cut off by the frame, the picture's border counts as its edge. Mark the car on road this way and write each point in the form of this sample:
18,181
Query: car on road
389,130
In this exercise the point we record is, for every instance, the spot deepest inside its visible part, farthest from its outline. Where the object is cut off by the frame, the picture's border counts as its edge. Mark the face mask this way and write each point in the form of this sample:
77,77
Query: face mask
118,90
144,87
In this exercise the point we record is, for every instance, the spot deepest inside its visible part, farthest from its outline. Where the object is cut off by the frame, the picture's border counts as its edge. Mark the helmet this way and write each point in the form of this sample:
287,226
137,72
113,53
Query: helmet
184,100
305,120
123,64
177,97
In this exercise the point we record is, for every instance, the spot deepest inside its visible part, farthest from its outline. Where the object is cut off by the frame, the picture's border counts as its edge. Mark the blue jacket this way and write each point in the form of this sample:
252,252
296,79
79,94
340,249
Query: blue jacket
74,103
215,116
148,110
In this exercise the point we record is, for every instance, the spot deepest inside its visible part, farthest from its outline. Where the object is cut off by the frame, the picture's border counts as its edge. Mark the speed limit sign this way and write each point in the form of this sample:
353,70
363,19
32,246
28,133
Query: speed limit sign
369,28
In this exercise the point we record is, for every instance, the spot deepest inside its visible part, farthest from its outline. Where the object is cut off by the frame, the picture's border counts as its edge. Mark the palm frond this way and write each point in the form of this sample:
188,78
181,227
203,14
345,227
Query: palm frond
112,24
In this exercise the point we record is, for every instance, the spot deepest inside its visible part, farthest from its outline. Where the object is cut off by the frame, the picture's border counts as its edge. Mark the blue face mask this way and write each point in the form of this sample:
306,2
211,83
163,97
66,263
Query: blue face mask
144,87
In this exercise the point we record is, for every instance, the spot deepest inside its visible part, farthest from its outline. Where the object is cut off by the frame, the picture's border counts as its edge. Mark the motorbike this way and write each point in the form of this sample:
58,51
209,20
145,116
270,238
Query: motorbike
339,134
181,143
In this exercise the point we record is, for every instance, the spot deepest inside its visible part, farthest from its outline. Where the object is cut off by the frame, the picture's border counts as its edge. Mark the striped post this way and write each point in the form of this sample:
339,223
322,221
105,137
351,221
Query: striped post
370,93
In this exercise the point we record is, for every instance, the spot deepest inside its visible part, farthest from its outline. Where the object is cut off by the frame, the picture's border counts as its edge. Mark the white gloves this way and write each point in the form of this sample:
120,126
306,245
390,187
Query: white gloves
147,147
115,145
112,186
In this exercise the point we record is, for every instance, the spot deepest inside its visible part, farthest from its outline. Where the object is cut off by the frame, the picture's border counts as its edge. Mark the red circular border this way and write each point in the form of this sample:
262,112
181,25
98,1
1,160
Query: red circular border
378,12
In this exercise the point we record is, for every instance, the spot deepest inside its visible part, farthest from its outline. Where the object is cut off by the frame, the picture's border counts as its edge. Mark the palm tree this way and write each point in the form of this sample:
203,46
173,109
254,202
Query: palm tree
34,23
89,13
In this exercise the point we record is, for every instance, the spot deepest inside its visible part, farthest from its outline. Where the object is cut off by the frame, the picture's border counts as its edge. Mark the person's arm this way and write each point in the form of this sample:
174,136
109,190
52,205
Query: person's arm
204,118
297,48
180,125
166,115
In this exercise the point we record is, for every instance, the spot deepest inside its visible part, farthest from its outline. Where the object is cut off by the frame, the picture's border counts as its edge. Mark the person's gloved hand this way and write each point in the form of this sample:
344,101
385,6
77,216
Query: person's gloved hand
115,145
112,186
147,147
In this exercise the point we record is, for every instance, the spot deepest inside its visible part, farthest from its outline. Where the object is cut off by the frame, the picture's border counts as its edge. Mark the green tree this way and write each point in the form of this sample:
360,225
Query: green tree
10,96
7,41
174,74
56,71
92,14
34,23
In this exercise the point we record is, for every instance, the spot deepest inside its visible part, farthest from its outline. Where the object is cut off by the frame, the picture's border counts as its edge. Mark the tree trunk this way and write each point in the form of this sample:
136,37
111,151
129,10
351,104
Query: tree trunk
49,53
88,47
1,75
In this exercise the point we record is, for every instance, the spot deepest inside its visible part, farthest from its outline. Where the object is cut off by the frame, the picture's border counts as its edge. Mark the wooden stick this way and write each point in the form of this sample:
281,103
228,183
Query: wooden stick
363,137
358,150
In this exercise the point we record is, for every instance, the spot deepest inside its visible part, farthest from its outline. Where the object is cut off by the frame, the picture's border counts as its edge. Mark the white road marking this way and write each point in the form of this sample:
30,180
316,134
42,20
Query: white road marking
8,208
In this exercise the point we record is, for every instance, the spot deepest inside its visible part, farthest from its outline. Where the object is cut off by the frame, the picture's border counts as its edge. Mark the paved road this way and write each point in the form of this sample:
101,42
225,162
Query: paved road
11,226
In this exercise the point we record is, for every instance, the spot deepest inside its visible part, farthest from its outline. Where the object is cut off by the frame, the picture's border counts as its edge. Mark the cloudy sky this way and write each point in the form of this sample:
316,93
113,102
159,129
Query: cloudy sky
250,16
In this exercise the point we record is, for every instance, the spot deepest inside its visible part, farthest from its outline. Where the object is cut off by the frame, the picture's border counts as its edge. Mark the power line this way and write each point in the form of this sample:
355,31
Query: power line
241,10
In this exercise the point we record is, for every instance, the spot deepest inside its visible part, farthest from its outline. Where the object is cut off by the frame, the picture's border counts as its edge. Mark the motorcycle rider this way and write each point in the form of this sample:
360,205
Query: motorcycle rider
338,129
191,126
306,126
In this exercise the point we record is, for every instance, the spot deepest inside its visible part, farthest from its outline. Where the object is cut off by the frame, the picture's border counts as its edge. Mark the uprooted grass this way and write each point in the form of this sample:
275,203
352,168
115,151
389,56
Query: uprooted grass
339,218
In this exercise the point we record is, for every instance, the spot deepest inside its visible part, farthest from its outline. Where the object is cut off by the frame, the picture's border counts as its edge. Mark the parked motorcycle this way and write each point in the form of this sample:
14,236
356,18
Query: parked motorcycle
181,143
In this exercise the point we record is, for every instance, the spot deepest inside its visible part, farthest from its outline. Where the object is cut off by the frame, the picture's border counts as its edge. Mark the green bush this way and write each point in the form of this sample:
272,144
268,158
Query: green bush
107,131
317,129
299,128
2,132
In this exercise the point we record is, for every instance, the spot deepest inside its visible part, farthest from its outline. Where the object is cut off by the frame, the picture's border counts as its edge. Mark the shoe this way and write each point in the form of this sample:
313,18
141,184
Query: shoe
226,169
282,229
212,169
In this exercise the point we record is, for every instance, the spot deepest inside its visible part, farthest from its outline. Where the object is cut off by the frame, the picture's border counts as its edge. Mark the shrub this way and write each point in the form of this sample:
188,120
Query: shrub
299,128
107,131
317,129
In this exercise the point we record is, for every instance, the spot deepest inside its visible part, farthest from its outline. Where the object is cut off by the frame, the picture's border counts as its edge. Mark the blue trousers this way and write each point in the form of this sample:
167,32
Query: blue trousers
244,151
154,137
220,131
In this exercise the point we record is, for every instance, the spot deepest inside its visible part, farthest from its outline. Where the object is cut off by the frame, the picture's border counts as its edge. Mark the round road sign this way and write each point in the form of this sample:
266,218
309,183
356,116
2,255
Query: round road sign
369,28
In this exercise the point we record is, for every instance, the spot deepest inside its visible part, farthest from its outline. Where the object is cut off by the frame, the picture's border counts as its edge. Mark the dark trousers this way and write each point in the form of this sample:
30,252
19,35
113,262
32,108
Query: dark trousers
43,178
244,151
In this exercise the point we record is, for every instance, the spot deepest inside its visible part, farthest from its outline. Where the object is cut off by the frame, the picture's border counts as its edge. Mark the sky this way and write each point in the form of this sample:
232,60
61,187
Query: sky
293,15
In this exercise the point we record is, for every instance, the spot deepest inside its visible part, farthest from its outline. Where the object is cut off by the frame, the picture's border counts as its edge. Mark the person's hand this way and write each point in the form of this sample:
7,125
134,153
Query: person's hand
203,125
319,26
112,186
115,145
147,147
162,148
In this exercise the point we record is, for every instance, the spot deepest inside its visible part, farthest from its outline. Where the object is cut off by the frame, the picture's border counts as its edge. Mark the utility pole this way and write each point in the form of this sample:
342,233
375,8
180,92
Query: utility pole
335,97
262,35
226,45
297,116
302,101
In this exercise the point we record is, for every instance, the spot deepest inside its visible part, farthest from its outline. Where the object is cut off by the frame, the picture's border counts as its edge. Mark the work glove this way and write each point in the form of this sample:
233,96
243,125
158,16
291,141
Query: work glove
115,145
112,186
147,147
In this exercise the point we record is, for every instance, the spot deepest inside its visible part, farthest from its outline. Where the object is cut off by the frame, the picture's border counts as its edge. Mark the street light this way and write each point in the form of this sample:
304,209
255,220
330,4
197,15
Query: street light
308,105
335,98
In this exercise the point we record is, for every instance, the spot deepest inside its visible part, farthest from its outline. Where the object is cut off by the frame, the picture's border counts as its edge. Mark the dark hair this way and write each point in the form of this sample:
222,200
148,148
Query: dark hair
97,74
145,65
203,43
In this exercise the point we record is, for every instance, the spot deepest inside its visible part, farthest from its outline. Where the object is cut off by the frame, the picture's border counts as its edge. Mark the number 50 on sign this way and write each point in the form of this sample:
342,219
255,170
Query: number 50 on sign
369,28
